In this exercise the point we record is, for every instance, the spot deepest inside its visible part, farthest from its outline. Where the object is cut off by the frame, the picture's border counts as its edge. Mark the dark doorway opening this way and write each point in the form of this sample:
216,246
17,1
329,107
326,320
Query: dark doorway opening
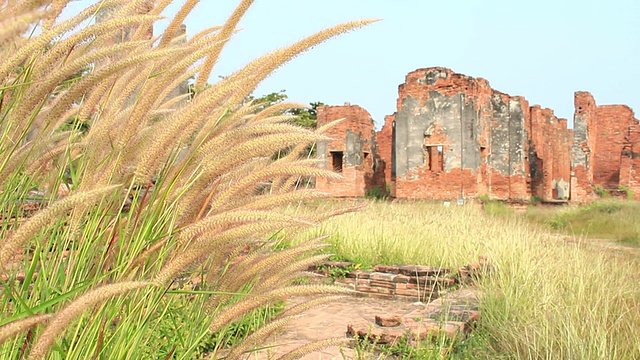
336,160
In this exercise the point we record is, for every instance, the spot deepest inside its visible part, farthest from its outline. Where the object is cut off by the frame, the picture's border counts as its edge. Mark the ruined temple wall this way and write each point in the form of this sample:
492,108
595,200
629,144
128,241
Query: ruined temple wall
352,145
549,155
454,136
585,126
630,162
613,121
602,154
384,142
508,167
478,136
437,133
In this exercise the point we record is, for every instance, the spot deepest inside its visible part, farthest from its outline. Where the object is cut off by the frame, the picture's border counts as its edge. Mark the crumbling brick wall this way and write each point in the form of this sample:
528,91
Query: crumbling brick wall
605,148
549,155
351,152
630,161
584,124
455,136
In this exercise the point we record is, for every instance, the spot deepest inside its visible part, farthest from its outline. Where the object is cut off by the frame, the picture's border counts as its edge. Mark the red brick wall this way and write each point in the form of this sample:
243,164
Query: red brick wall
604,141
384,141
516,151
630,162
504,130
356,180
612,120
584,145
551,143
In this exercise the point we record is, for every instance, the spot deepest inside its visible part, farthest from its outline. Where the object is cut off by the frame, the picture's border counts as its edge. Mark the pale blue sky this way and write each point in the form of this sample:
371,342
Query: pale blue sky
544,50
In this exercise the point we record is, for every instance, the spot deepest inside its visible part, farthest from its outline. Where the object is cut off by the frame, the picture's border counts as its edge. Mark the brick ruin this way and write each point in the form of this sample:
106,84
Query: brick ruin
453,136
352,153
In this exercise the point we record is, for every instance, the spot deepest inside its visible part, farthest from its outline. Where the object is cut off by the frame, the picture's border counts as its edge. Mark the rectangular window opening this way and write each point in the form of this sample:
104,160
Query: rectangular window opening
435,156
336,160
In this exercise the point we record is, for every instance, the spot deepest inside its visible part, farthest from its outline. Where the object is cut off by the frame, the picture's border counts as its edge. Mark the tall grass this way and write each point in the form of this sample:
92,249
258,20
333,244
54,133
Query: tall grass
146,199
604,219
543,299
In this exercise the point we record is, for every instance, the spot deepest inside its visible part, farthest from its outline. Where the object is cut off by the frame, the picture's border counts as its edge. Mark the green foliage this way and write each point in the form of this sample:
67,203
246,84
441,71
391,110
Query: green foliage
305,117
600,191
376,194
627,191
337,272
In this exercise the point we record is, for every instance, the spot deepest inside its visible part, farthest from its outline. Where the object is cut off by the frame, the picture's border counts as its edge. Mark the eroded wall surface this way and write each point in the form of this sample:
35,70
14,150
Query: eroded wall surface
490,143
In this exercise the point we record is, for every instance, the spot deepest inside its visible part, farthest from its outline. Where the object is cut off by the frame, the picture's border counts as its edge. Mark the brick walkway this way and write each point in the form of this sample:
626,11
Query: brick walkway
451,313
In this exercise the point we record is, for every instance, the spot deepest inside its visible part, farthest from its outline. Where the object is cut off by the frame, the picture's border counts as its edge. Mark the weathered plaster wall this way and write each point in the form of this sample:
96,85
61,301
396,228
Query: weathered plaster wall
483,134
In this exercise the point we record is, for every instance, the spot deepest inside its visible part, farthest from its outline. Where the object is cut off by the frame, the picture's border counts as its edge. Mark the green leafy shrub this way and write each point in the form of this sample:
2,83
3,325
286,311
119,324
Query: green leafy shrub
376,194
600,191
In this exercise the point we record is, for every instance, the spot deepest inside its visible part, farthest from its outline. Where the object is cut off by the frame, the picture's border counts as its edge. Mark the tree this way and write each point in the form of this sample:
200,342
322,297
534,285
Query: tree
305,117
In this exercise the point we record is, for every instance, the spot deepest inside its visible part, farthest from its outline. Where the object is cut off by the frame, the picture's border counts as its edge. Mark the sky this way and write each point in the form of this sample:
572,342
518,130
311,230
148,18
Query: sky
544,50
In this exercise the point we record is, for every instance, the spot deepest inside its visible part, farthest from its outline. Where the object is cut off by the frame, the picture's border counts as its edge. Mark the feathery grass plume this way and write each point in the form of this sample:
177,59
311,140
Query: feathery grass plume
177,20
225,219
47,156
74,309
302,351
12,28
45,216
276,169
258,337
266,145
309,304
209,243
254,265
283,273
36,44
55,10
164,84
133,122
103,29
275,200
249,77
278,108
259,69
15,327
90,80
42,92
224,35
